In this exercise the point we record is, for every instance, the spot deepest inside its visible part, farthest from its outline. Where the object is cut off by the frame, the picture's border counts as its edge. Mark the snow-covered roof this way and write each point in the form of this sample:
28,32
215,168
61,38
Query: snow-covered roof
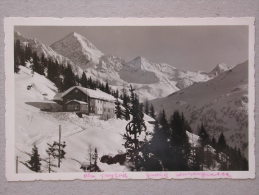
97,94
80,102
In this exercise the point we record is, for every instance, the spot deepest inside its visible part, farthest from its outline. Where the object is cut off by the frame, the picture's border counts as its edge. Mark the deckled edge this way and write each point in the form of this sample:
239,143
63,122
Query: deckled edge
9,24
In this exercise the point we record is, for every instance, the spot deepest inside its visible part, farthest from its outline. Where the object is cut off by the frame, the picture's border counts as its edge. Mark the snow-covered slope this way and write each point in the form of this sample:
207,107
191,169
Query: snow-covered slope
78,49
78,133
48,52
220,103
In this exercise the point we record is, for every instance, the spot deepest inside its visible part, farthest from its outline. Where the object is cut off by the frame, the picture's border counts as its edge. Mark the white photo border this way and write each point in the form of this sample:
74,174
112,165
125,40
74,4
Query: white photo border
11,22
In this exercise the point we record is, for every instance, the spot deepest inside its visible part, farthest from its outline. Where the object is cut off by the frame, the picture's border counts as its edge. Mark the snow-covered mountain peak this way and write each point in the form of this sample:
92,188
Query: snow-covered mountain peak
79,49
75,34
220,68
83,40
141,63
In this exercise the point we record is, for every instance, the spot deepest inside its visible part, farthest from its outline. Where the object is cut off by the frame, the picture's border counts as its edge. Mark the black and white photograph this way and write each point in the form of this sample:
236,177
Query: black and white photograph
129,98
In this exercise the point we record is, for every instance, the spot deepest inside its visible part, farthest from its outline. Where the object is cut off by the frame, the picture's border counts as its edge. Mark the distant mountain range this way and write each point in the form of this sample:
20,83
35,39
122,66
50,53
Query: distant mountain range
151,80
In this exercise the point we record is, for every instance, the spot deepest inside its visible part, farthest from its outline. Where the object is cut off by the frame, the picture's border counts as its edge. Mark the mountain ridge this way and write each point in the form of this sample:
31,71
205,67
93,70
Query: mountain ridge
220,104
151,80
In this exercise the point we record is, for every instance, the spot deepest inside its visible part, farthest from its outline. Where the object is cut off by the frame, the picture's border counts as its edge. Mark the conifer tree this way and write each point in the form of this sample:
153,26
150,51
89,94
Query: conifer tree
93,157
95,167
102,87
196,161
126,102
149,157
91,83
49,160
84,81
223,153
69,78
22,57
43,60
57,150
180,143
52,72
18,56
44,64
204,156
160,143
164,123
34,163
152,111
37,66
204,137
133,131
146,107
107,88
116,94
221,145
186,124
160,146
213,142
28,52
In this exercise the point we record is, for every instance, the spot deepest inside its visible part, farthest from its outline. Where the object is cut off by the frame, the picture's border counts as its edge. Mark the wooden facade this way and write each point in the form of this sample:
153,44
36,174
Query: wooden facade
77,94
76,106
77,99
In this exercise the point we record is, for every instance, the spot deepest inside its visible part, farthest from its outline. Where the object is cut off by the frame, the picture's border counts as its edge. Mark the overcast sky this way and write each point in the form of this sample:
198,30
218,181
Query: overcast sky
185,47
